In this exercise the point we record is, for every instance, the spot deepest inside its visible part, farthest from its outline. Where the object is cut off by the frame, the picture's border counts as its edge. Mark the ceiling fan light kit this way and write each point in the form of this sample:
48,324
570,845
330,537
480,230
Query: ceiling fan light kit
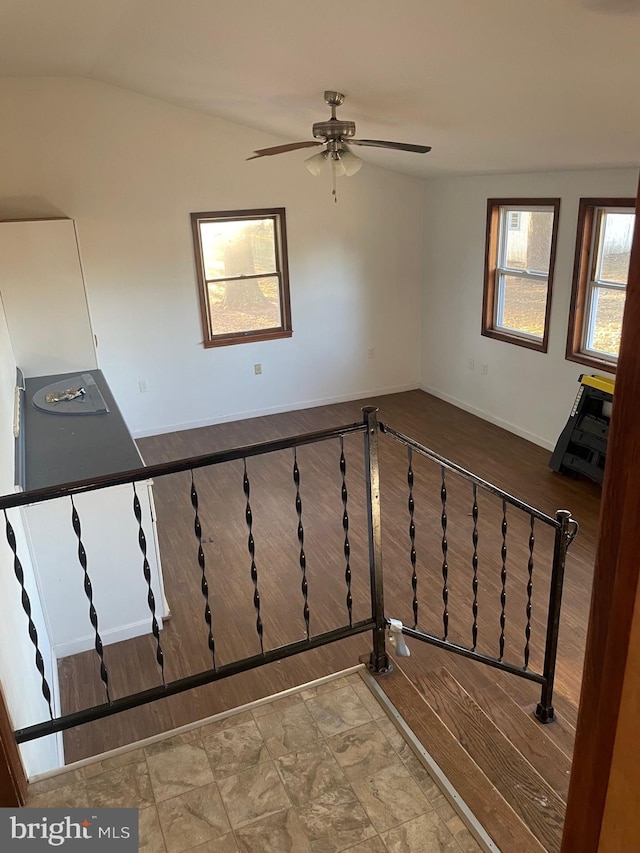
335,133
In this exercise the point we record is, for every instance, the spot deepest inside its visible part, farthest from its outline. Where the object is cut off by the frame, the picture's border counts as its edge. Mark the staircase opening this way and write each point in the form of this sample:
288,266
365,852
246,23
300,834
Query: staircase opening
470,570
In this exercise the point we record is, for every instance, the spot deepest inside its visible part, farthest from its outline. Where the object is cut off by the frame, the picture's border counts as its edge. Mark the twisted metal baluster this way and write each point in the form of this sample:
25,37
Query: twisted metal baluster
88,591
345,527
412,537
26,606
204,584
474,564
503,578
302,558
527,630
251,545
445,547
146,571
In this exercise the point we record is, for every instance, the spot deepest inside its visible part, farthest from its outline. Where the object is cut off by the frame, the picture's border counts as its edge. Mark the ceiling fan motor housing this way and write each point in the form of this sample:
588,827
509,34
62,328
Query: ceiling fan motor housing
334,129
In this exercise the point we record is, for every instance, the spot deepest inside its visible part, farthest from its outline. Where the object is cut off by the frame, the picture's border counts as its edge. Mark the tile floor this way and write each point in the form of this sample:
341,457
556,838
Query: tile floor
322,770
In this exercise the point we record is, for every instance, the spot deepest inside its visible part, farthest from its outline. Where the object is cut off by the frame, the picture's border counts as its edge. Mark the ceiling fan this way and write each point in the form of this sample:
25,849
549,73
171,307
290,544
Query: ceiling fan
335,134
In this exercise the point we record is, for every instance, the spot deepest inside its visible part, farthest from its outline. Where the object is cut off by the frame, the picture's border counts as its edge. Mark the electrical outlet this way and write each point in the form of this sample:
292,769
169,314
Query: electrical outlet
257,369
485,369
471,364
371,352
142,385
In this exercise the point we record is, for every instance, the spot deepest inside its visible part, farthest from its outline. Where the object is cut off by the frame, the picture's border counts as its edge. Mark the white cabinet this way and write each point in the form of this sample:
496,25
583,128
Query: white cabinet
44,298
109,534
47,314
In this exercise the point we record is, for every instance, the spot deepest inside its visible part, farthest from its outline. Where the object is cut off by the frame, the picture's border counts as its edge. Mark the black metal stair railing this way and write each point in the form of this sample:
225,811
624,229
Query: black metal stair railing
204,583
565,529
217,671
344,494
146,571
88,590
26,606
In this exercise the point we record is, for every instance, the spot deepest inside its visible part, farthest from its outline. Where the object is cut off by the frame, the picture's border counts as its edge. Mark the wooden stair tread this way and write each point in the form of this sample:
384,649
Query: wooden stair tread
533,799
481,796
565,709
562,731
529,737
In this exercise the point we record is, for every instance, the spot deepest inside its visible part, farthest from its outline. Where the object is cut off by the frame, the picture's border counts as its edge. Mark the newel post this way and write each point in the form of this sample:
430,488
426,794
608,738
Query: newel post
378,660
565,532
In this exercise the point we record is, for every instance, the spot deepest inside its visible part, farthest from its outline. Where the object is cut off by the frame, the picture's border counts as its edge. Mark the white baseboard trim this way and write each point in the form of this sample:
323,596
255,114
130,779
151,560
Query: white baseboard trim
487,416
108,636
273,410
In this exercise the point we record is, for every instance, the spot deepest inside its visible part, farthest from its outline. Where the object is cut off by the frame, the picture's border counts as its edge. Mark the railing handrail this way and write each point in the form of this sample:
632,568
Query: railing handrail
468,475
172,688
565,529
148,472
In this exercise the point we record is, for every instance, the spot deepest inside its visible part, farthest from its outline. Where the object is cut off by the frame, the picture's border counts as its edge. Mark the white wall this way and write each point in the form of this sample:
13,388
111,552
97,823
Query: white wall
527,392
18,674
129,170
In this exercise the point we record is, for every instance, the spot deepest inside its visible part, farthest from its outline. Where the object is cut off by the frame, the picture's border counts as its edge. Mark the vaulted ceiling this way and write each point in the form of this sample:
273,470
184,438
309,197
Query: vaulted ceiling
493,86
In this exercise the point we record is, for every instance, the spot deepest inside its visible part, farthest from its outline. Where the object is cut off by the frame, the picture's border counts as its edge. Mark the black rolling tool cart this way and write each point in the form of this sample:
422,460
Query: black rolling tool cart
582,446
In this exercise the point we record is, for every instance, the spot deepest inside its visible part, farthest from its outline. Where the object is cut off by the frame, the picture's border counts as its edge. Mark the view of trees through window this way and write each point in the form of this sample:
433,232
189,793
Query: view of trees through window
240,262
518,276
608,290
525,303
242,270
603,251
526,246
519,266
606,311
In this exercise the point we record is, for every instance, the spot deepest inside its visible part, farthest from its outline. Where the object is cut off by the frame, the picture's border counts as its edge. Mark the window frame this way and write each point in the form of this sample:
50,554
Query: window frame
284,330
493,243
587,240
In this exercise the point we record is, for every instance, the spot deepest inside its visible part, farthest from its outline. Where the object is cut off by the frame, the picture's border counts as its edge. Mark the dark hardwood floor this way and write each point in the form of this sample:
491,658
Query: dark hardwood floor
494,454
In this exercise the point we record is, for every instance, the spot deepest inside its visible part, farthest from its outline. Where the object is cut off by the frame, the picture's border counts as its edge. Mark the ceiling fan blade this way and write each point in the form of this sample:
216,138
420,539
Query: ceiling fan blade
400,146
281,149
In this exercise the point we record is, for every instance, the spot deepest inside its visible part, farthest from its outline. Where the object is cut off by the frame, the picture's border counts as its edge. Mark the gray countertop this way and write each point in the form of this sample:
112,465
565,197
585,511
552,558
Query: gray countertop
65,448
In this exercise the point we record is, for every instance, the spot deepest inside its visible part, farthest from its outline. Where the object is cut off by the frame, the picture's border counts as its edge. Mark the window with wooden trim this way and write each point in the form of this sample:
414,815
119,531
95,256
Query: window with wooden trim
519,263
243,279
601,268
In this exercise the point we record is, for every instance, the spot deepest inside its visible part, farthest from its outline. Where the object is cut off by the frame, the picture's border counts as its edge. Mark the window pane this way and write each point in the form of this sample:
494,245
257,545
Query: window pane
615,251
606,320
243,247
244,305
521,305
528,246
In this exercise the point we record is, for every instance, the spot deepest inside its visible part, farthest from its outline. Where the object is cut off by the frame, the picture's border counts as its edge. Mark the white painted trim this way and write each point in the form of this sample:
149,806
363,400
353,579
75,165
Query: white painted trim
487,416
113,635
274,410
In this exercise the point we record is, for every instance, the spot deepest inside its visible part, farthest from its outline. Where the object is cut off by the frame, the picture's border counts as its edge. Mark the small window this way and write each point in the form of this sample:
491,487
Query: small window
520,253
601,269
243,281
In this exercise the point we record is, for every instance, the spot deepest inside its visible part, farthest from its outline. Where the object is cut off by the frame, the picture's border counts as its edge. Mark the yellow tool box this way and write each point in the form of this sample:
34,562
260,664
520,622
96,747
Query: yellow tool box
582,446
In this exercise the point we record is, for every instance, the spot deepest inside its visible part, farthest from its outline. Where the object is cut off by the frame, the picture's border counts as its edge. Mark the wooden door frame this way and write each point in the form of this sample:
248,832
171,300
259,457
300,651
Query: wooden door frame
13,779
615,587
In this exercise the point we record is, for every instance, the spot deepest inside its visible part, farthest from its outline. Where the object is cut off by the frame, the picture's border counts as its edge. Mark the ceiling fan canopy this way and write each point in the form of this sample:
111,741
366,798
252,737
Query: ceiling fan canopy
335,134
